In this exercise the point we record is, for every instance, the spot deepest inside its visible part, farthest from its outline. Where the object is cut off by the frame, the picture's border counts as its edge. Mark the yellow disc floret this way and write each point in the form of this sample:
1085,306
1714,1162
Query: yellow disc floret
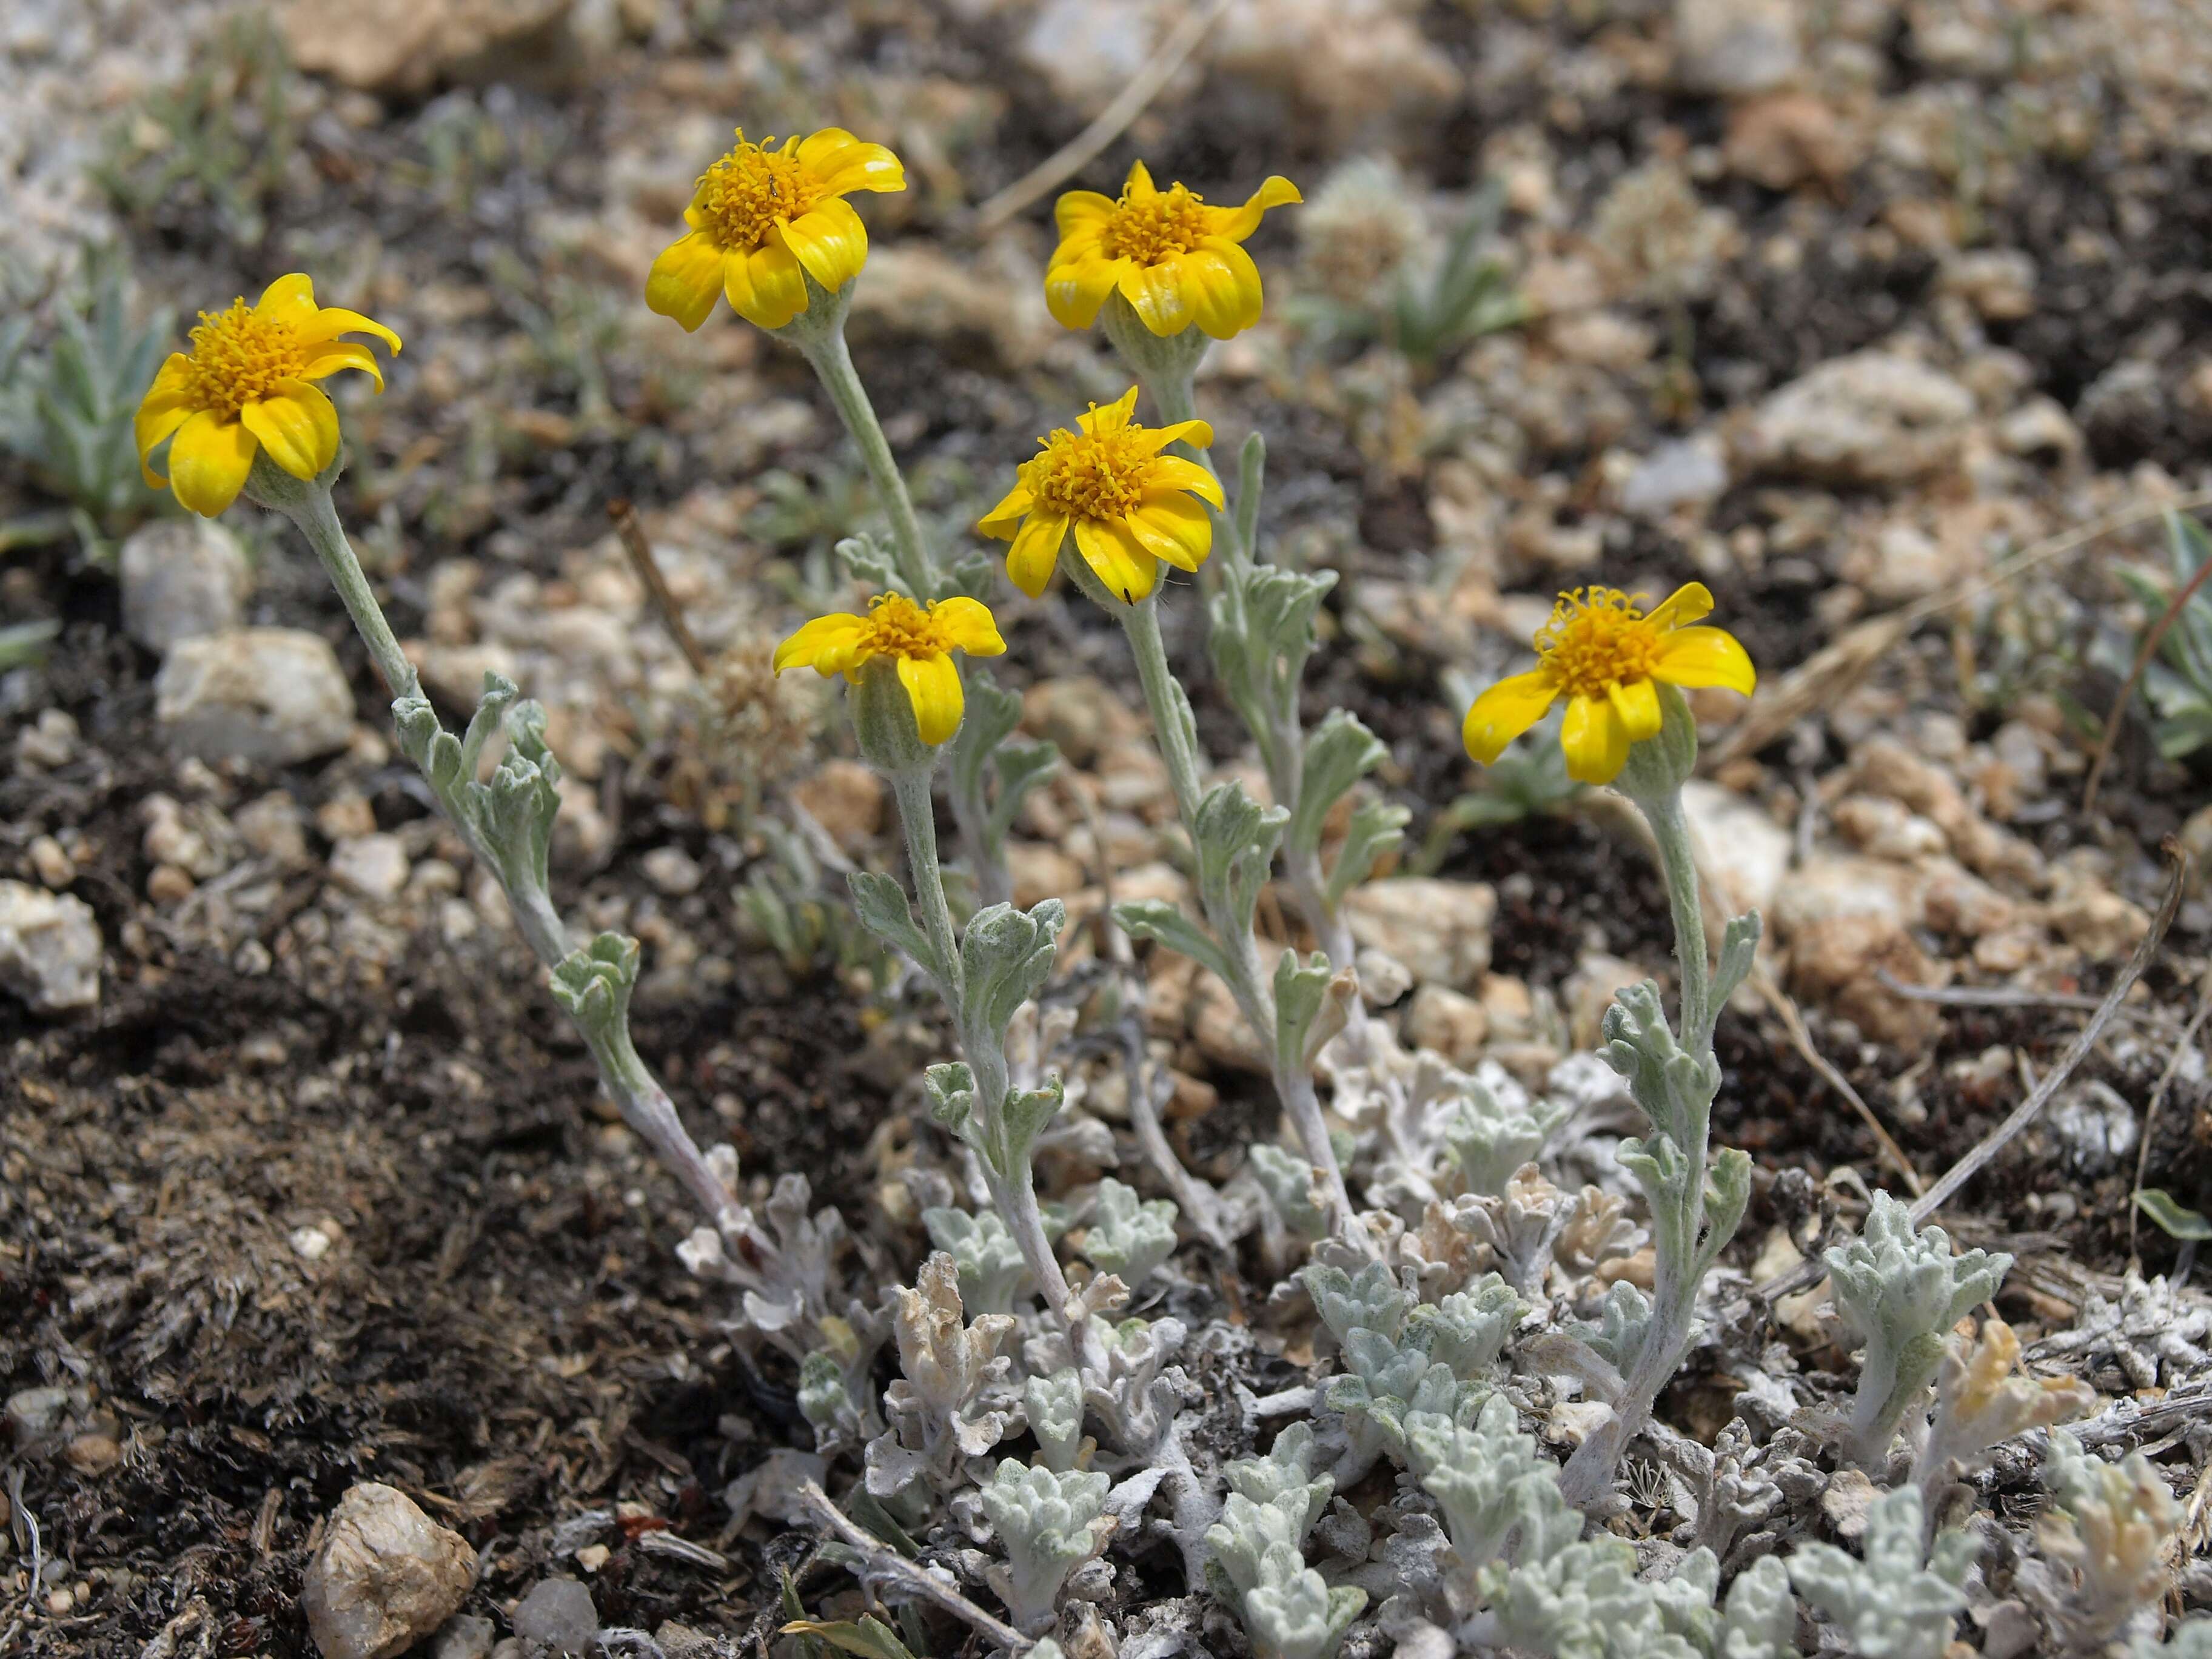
920,641
237,358
1604,657
1149,228
752,190
1131,506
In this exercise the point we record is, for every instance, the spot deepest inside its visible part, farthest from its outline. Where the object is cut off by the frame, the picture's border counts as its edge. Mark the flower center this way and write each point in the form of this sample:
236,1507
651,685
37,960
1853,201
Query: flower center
237,358
750,191
1091,475
1598,637
1150,229
897,627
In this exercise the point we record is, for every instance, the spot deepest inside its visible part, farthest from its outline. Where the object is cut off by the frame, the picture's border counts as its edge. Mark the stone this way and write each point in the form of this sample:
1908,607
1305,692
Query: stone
385,1576
1079,714
1733,47
49,949
372,866
1872,417
407,46
1683,472
180,579
48,743
846,799
1440,930
1040,872
1902,562
1590,991
1086,52
1747,851
465,1637
558,1615
1454,1025
1998,282
672,872
1846,921
275,696
1352,65
274,827
1786,138
51,862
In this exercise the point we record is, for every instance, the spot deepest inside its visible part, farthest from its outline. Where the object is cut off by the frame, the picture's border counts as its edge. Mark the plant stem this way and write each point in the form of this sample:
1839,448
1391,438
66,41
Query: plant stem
317,517
1671,831
917,813
833,365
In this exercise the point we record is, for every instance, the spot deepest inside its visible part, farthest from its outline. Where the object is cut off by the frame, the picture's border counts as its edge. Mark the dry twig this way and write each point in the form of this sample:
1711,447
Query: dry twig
632,535
884,1562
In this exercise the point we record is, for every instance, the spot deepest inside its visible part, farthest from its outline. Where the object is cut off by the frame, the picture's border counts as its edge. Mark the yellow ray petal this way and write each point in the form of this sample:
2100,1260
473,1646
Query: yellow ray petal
840,163
1158,294
331,321
1199,434
1706,656
1074,290
824,644
1081,209
932,685
1175,528
1117,558
299,428
1237,223
829,242
686,280
209,462
1503,713
1690,602
765,287
1173,473
1113,417
1636,702
166,405
1036,552
1139,185
1224,284
1596,740
969,625
327,359
1002,521
288,299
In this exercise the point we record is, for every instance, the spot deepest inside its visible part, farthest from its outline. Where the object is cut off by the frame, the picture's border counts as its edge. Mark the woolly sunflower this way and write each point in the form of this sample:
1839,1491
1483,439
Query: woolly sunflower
1177,260
921,642
246,384
1607,658
1130,506
760,217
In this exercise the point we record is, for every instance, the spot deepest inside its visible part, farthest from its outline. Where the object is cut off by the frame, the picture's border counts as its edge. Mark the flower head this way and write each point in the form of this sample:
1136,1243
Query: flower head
921,642
1130,506
1607,658
246,384
761,217
1177,260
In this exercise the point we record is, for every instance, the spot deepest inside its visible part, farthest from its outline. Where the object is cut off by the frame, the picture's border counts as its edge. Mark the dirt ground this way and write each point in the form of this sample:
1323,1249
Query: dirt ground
322,1190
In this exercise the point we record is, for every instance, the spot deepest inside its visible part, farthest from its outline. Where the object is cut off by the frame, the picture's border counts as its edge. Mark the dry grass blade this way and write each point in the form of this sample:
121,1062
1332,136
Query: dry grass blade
1794,1023
631,533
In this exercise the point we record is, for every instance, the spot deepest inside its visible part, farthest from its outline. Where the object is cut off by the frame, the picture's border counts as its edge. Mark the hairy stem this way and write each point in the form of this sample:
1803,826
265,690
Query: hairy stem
833,365
1671,831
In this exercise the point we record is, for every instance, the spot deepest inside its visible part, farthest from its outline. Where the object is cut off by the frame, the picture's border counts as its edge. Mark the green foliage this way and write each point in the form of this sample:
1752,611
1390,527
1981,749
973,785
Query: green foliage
1528,781
66,404
785,905
2173,1219
215,146
2178,683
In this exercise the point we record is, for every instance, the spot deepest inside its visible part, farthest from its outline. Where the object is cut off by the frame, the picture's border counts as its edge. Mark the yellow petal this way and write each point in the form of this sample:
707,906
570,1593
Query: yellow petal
1079,210
1002,521
932,685
1690,602
209,462
969,625
288,299
1173,473
824,644
1139,185
1074,290
299,428
166,405
1197,433
1036,552
1503,713
764,287
1596,741
839,162
328,360
686,280
1636,702
1226,285
1705,656
1113,417
331,321
829,242
1117,558
1175,528
1158,294
1237,223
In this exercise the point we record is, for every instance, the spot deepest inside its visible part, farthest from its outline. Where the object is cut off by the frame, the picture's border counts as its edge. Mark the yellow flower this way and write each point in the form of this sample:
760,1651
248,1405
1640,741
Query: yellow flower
1608,658
1175,259
760,216
245,385
920,641
1130,506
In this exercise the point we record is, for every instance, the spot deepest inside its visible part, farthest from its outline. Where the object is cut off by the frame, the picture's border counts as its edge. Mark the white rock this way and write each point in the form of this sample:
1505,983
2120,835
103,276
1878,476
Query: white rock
1085,51
274,695
49,949
1354,65
48,743
1454,1025
672,871
558,1614
1748,852
180,579
372,866
409,45
1734,46
1871,417
385,1576
1686,472
465,1638
1440,930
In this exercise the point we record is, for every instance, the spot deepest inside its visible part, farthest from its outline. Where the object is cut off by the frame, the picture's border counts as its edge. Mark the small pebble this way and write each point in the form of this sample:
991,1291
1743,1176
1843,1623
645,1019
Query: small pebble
94,1454
167,885
52,867
672,870
558,1615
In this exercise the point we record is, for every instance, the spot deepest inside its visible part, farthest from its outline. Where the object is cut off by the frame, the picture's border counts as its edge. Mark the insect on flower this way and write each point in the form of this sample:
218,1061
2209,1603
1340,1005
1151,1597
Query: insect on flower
1130,506
1176,259
921,642
246,384
761,217
1607,658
